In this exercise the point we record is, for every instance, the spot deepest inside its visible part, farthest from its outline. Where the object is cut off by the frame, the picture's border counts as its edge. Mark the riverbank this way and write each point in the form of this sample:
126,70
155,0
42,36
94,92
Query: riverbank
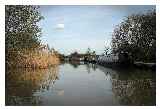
117,64
145,65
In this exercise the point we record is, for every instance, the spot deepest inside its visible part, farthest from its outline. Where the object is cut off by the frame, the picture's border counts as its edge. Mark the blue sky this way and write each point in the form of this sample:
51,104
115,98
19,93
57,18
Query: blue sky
75,28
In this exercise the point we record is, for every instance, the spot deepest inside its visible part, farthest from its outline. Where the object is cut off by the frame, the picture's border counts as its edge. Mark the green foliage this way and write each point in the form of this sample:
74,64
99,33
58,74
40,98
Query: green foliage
21,29
107,50
136,35
22,33
88,52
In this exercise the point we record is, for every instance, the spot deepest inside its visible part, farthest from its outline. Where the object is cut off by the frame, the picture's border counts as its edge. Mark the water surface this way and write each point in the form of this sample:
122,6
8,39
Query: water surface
80,84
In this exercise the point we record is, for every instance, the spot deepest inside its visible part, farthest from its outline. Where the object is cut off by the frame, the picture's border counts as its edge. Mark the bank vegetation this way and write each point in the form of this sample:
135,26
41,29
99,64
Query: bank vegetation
22,39
136,37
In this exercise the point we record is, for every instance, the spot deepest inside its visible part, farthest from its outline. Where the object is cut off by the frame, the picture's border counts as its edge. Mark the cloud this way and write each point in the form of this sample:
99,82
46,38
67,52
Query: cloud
60,26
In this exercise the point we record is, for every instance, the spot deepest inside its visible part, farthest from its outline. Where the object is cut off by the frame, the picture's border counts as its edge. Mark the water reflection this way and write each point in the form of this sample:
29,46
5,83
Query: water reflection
75,64
131,92
22,83
89,66
133,86
77,83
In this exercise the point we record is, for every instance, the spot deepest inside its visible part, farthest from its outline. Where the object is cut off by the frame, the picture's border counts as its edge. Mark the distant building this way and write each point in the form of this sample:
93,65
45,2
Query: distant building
77,57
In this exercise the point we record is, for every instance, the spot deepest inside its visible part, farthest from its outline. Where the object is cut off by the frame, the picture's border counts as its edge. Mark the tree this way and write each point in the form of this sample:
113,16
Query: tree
88,52
21,32
21,29
136,36
107,50
94,53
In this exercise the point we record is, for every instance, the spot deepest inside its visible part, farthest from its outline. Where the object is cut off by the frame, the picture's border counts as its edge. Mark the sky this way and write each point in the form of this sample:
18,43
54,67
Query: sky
69,28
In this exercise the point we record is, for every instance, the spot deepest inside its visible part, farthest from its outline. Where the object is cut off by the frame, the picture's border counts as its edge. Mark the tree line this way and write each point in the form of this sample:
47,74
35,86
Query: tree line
136,36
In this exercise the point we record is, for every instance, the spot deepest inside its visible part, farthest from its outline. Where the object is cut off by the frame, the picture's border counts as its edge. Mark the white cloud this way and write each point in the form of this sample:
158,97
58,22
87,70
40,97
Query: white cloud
60,26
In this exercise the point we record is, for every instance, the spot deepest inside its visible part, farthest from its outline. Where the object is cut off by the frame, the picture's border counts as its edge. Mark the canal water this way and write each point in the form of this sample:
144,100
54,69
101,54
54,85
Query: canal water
80,84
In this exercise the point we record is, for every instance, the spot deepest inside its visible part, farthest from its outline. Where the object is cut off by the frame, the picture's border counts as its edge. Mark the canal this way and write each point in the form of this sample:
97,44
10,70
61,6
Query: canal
80,84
